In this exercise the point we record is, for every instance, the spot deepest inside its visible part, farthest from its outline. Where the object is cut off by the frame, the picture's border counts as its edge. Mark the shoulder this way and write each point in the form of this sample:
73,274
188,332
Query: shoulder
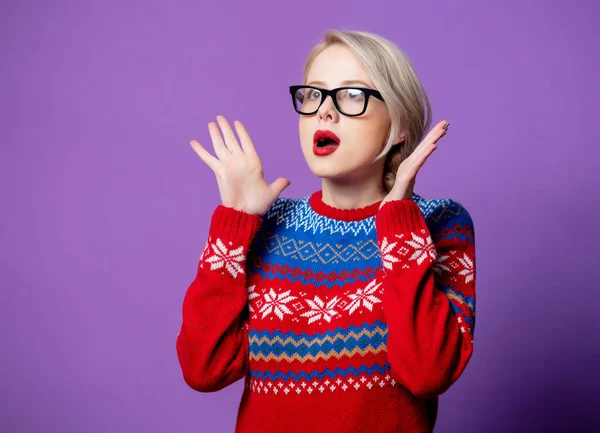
281,206
445,216
284,209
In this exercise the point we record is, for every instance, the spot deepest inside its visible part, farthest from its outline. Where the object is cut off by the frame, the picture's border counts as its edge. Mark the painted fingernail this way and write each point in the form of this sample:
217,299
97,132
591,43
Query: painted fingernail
447,125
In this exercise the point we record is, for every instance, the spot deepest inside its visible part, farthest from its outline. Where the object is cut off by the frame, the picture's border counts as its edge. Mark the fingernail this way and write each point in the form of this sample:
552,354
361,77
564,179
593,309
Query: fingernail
447,125
443,134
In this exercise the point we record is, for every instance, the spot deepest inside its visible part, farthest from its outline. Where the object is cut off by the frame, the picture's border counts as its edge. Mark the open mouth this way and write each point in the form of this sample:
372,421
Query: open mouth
325,149
325,142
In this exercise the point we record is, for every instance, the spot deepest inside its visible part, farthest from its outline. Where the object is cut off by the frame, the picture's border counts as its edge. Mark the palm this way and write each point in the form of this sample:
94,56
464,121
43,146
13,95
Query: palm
238,170
407,172
239,180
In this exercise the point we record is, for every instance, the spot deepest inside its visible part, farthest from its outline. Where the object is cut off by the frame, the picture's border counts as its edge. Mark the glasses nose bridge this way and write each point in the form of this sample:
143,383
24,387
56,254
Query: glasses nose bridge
333,95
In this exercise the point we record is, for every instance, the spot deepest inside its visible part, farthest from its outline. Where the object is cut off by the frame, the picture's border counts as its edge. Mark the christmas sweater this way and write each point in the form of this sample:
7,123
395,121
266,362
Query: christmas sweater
339,320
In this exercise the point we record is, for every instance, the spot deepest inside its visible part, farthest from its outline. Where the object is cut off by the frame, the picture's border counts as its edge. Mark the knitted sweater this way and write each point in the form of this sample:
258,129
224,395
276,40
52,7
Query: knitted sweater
338,320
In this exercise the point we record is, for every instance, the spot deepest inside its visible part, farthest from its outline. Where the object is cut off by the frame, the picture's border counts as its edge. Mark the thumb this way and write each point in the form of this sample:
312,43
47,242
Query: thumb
279,185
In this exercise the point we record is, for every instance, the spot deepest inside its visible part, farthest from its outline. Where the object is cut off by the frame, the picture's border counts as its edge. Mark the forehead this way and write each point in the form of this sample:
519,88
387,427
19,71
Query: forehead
335,65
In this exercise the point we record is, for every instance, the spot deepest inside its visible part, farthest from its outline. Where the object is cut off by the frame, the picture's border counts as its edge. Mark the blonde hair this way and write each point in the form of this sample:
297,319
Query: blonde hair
394,77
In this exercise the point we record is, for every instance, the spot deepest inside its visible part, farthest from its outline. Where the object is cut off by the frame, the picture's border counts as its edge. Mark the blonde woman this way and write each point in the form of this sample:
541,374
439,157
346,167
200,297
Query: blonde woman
351,309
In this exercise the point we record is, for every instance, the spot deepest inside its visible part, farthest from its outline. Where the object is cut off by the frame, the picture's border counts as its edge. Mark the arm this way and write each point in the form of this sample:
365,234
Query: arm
212,345
429,294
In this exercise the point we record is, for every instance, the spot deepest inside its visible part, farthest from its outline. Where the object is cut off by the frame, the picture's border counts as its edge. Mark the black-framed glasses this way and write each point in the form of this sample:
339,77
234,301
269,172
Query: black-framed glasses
350,101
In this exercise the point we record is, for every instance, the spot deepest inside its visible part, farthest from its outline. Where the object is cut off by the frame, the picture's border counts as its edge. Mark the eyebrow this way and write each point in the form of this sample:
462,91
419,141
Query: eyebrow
343,83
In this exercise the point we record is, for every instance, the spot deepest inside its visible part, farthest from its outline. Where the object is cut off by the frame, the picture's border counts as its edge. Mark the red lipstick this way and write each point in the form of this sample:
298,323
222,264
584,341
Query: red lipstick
325,142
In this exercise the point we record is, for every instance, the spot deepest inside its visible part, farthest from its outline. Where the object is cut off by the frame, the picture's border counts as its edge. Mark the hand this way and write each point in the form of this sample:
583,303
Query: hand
238,170
407,172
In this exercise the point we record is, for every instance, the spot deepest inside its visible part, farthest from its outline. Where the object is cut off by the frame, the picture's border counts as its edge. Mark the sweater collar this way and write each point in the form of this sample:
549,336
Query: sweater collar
319,206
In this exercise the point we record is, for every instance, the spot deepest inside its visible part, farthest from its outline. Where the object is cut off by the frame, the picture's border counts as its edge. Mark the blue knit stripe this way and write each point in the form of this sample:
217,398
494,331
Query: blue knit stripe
378,324
326,282
350,371
291,347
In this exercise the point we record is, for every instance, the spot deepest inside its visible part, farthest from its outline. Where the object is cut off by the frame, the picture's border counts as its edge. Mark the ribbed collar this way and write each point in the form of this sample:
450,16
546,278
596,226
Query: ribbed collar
316,203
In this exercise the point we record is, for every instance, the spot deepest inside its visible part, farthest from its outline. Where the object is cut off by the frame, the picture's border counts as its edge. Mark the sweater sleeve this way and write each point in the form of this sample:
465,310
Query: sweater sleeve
429,293
212,344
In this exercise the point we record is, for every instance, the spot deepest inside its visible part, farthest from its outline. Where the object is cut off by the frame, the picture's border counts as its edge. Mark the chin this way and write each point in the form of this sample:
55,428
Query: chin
324,174
331,171
336,166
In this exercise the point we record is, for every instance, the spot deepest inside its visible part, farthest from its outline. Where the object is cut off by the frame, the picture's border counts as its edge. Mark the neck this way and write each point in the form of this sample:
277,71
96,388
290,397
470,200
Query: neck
353,194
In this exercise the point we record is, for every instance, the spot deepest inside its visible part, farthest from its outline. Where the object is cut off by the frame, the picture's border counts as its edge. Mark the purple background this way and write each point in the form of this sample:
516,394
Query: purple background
105,206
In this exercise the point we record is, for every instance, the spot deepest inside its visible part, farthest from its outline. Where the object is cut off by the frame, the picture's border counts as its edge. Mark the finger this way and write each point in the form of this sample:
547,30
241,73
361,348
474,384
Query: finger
434,135
204,155
445,128
230,140
439,130
431,139
416,159
220,148
421,160
420,153
245,140
279,185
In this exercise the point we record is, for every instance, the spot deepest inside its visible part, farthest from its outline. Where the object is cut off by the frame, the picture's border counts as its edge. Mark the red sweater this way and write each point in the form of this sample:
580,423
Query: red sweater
338,320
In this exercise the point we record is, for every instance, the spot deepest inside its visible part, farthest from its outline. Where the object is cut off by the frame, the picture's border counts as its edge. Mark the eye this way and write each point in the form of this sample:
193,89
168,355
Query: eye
355,94
313,94
351,95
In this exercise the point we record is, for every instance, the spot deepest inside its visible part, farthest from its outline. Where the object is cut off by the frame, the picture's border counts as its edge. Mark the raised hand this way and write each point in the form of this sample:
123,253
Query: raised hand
238,169
407,172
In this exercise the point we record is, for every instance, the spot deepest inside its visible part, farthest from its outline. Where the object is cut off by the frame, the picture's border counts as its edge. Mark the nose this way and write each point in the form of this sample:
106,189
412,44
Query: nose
328,110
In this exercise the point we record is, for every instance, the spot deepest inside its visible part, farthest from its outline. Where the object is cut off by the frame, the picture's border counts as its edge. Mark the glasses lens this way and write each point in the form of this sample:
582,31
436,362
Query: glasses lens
307,100
351,101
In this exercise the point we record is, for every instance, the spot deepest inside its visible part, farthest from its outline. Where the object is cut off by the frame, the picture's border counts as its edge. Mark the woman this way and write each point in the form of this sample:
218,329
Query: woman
352,309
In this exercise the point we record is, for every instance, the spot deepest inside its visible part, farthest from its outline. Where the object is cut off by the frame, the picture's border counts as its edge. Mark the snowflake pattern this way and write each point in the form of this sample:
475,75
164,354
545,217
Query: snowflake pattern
468,270
441,264
418,248
386,256
364,297
275,303
450,263
251,295
319,310
423,248
231,259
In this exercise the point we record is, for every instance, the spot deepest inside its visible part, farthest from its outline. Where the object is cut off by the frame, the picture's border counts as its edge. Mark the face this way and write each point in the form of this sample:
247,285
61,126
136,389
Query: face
362,137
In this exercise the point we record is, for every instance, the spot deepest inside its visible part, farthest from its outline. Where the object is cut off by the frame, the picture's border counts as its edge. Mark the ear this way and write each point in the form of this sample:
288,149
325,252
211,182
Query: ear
400,140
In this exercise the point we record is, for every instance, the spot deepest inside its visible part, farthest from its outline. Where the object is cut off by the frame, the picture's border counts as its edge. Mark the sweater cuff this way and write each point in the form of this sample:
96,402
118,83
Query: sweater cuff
399,216
233,225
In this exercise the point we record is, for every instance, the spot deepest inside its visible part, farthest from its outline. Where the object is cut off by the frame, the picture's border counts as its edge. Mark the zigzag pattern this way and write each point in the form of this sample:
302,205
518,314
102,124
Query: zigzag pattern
333,352
465,236
330,335
326,373
347,342
296,215
454,295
